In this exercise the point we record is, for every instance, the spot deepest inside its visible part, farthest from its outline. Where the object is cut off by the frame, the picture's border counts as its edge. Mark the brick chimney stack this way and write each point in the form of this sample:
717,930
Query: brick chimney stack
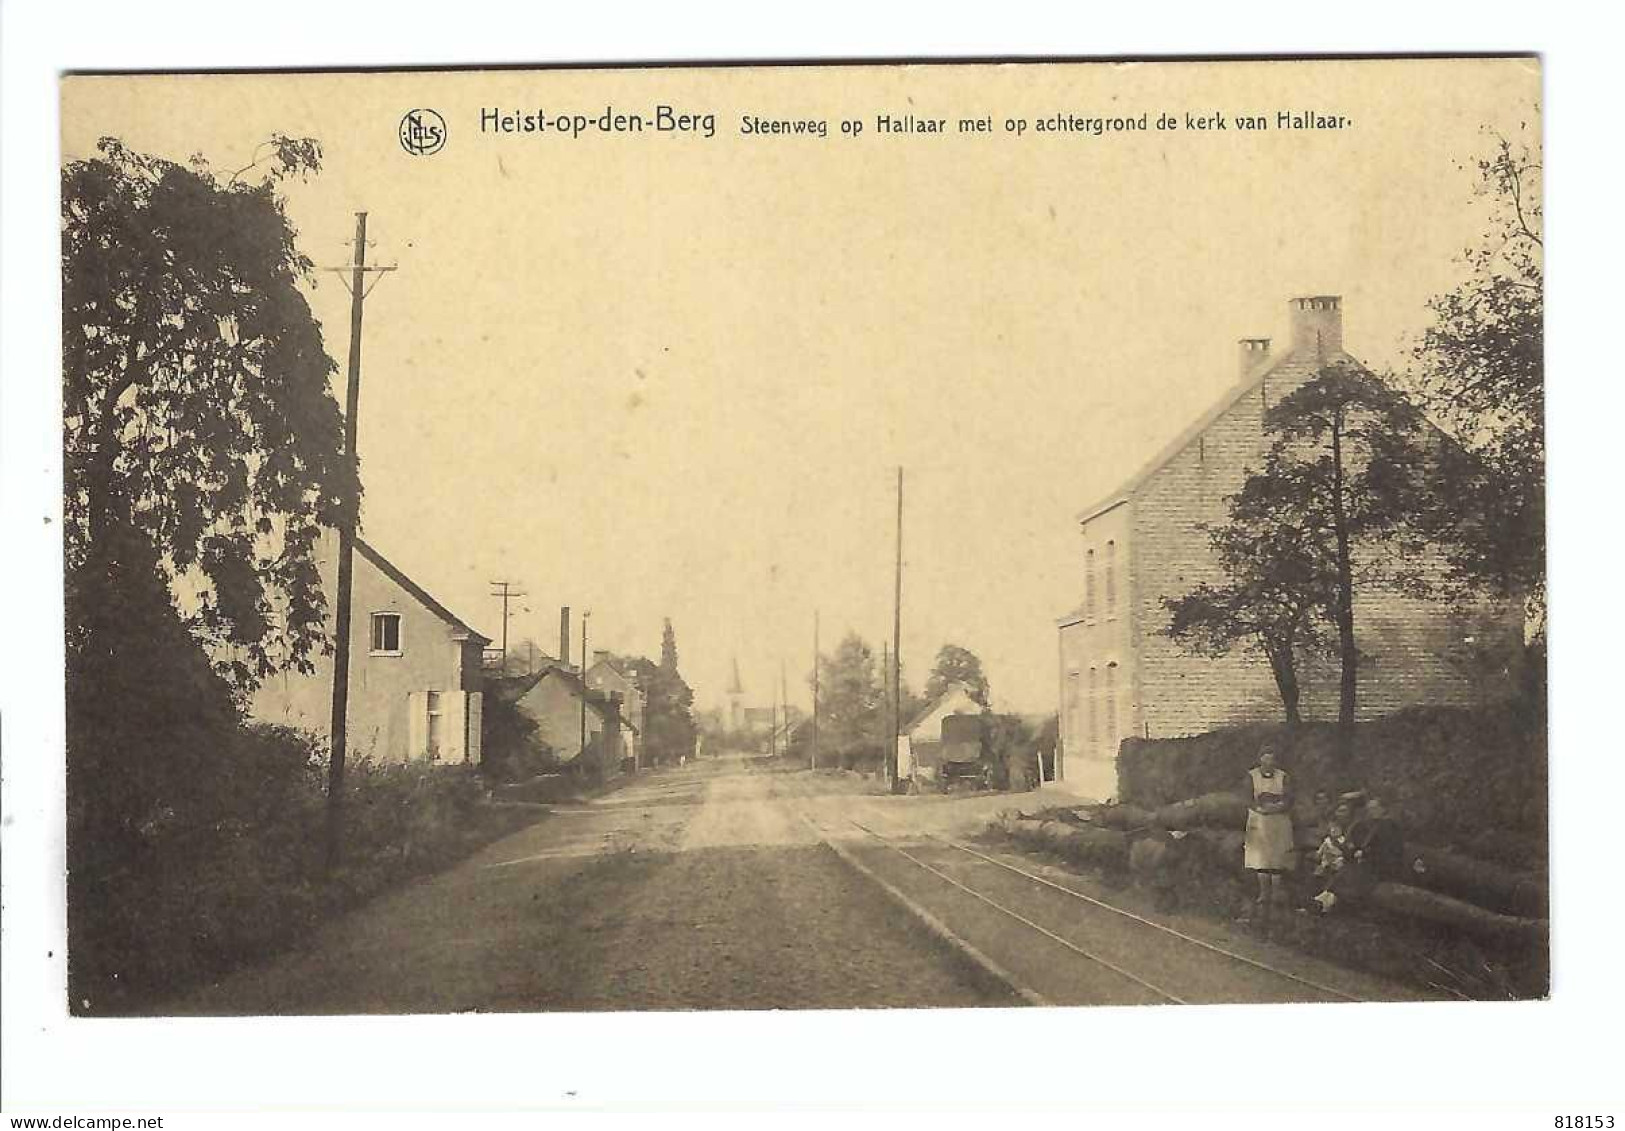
1254,354
564,635
1317,324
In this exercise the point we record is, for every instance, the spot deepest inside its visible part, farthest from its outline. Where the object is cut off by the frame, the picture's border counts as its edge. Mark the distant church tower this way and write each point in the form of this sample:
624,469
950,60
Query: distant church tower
736,697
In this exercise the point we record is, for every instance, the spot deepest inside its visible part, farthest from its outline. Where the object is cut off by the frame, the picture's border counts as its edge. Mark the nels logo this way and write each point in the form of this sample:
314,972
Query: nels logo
422,132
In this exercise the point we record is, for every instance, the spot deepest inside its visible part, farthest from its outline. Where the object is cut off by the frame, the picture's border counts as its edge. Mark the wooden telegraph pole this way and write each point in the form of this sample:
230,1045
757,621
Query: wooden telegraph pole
815,692
349,518
896,646
505,590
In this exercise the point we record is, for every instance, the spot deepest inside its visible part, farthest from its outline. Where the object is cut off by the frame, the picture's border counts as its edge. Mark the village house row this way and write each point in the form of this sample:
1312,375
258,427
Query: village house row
1122,676
420,676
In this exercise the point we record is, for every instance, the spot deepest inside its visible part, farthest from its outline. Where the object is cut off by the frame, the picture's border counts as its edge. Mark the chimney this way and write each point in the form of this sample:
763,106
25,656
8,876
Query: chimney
564,635
1317,324
1254,353
599,655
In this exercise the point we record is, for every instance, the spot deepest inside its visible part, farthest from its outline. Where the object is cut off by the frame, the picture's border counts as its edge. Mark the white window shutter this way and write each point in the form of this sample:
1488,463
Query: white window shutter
417,726
455,727
476,723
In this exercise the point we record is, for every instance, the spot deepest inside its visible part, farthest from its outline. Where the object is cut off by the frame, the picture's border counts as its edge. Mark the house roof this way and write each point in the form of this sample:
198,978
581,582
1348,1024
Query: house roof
615,668
1293,364
390,570
517,687
954,688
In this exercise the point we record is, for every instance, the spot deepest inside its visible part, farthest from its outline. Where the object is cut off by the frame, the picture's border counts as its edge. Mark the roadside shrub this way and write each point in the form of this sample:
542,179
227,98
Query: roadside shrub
511,748
199,899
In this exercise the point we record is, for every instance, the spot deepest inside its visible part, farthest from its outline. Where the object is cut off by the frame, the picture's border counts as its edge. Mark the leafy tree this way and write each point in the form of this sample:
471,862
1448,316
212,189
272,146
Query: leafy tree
147,715
957,665
1481,373
852,710
1278,586
668,704
1339,494
196,407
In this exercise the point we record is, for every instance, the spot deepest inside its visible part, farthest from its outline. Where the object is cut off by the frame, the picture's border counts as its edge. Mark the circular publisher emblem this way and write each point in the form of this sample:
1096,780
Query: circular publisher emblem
422,132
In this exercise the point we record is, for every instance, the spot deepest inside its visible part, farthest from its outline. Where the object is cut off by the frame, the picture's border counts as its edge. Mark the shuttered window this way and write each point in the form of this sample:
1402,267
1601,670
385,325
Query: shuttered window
1111,707
1111,579
1094,708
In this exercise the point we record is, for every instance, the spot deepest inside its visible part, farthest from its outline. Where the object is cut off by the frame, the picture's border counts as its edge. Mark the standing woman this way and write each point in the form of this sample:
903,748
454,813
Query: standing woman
1268,848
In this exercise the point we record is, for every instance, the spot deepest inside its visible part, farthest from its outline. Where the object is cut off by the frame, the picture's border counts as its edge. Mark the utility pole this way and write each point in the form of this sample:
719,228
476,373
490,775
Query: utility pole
349,518
506,594
896,645
815,692
586,615
885,696
784,702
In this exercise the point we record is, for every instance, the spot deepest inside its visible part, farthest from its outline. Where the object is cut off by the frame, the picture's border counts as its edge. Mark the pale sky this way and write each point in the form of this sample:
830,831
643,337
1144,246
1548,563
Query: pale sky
657,375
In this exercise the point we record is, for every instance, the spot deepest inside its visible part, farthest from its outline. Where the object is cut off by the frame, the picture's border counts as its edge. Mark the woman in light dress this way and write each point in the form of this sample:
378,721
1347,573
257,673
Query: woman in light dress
1268,849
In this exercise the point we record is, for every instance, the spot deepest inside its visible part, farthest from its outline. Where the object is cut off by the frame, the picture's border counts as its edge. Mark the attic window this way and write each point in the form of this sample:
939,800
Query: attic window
386,634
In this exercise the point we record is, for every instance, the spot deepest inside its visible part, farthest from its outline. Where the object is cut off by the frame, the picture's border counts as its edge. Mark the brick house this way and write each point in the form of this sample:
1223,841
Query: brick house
1121,676
416,685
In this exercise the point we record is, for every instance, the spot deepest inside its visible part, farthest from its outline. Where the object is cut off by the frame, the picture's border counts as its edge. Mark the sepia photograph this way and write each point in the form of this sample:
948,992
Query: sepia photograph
824,537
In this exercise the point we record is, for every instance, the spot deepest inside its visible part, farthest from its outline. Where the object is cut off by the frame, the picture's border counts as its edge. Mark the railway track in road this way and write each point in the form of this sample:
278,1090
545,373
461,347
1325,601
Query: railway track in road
1054,944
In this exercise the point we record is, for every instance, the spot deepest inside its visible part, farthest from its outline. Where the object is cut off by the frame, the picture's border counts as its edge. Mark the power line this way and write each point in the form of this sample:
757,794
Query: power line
506,594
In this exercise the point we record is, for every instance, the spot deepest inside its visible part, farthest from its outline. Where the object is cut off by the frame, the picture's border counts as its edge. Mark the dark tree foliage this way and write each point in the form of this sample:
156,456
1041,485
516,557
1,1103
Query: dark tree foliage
511,750
196,406
1481,372
957,665
148,719
1347,468
1277,588
668,703
1335,508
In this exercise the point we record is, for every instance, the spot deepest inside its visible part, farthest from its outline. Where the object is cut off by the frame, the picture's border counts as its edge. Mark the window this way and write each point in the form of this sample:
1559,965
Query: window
1074,724
436,733
1089,584
386,632
1094,710
1111,579
1111,706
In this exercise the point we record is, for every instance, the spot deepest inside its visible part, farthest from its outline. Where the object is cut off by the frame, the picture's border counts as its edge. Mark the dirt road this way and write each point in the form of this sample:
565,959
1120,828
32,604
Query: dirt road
694,888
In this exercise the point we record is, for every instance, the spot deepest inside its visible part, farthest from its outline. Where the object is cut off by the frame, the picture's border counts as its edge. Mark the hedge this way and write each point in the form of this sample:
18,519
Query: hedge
1475,779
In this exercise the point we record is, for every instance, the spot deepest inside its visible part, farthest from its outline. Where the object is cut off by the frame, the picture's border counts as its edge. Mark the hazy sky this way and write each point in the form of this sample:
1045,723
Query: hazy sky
664,375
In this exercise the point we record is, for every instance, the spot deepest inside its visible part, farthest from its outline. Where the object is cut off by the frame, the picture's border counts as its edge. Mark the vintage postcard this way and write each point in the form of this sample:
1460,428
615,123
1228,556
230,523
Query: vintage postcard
804,537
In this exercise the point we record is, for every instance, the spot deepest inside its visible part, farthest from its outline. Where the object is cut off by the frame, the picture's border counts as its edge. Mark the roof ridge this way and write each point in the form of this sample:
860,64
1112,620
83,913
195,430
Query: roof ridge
399,577
1225,402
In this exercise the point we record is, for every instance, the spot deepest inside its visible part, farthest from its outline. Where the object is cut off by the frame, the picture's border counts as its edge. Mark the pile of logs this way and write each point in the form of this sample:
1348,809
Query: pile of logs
1441,886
